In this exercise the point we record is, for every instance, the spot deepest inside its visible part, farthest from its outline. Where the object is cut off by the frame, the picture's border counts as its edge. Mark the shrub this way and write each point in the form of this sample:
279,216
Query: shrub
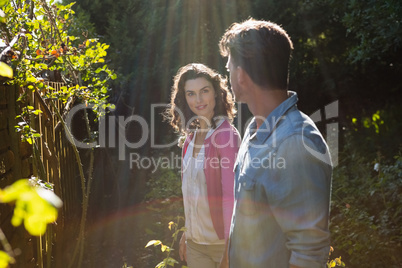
366,209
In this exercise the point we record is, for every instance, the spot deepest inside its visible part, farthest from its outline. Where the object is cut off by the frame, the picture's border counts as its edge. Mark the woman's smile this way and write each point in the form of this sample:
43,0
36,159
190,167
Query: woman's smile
201,107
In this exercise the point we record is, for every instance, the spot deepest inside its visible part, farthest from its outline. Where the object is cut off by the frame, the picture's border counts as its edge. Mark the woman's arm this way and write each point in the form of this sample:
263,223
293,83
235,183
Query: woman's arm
227,156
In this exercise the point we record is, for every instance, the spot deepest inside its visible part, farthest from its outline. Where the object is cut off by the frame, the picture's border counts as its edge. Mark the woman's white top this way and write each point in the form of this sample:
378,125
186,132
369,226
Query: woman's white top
195,198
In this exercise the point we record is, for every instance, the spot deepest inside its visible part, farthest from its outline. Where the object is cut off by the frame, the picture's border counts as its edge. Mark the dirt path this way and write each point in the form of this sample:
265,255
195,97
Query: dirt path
121,237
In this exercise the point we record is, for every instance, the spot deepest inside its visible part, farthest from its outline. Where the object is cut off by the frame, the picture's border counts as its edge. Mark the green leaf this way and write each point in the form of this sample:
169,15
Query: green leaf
31,79
5,259
170,261
5,70
34,206
2,14
34,225
153,242
376,116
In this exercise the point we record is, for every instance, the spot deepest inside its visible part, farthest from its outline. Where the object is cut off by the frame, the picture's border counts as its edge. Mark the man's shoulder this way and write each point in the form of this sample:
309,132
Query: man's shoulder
296,122
298,129
305,141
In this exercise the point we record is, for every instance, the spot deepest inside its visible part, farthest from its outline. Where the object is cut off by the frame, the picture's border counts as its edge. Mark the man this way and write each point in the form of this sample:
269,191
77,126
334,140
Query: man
283,169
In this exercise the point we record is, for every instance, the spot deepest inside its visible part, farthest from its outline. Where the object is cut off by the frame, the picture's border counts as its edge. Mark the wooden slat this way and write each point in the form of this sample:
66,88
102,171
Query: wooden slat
3,119
6,161
3,94
5,139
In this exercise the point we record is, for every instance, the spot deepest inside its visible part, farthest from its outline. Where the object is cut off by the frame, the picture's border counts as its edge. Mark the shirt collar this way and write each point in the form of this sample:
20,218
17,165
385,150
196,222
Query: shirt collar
270,123
218,123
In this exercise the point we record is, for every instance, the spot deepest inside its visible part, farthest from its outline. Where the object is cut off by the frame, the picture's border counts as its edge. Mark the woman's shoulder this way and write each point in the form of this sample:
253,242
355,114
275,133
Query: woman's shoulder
225,132
226,128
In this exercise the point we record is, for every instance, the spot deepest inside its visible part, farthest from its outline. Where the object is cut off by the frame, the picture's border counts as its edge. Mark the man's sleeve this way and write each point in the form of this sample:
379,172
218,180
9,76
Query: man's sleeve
300,200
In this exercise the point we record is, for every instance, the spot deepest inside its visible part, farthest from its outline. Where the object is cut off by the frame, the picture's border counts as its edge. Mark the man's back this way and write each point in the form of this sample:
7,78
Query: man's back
282,188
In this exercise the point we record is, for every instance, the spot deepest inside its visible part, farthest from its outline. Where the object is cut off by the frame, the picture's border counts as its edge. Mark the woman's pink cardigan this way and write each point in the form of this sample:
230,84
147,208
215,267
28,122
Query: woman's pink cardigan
220,155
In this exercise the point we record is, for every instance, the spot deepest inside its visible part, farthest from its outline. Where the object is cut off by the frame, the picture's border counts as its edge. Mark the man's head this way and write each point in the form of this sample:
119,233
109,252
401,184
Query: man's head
262,49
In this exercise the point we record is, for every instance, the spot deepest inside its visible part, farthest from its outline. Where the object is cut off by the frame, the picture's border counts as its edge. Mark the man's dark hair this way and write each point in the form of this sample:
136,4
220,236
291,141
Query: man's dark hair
262,48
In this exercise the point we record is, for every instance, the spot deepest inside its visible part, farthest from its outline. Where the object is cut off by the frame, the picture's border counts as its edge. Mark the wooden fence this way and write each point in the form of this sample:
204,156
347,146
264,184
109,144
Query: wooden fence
57,166
60,168
15,163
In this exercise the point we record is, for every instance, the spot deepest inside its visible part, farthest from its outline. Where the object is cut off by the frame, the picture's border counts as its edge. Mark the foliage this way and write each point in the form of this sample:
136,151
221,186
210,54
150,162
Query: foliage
164,183
168,260
164,199
5,259
351,52
376,26
34,205
335,262
377,131
126,266
46,50
28,134
40,48
366,209
6,70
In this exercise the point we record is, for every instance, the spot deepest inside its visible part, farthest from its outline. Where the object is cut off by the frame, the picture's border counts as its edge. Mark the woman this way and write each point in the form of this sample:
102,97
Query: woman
202,109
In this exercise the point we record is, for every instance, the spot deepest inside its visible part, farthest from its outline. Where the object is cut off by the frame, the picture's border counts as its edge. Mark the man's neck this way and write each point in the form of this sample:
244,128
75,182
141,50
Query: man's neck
264,101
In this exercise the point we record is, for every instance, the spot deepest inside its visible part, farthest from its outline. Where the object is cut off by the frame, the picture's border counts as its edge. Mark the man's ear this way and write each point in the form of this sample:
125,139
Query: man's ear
242,77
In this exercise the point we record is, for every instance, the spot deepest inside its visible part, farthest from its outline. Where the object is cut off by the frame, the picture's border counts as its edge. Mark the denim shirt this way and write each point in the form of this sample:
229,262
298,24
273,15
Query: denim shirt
282,193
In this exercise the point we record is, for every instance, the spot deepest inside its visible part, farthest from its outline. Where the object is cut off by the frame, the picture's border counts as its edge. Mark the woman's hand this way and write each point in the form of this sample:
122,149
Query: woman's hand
225,258
183,248
224,262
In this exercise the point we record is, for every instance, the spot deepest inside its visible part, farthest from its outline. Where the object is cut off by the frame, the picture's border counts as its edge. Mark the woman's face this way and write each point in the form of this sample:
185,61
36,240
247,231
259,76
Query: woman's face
200,97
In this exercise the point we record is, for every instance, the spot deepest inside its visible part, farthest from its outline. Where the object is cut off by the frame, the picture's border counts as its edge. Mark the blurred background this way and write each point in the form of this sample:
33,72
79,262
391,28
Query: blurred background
347,52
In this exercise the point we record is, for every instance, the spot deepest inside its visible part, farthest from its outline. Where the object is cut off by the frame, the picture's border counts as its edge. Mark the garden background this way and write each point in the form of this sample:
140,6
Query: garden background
345,52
